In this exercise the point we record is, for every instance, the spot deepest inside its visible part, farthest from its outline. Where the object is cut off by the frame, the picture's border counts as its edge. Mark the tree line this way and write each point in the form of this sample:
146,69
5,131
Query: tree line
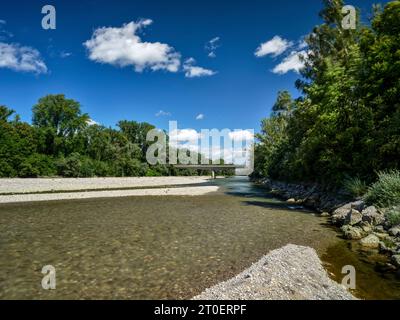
346,122
61,141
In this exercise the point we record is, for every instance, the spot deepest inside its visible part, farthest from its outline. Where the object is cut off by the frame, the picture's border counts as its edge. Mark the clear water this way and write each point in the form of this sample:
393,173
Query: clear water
164,247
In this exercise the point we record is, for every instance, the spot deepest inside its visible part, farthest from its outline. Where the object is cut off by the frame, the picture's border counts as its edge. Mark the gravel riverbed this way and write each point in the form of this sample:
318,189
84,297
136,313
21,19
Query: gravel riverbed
289,273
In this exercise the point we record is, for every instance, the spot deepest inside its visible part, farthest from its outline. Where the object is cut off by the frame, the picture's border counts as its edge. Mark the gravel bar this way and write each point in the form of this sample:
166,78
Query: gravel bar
289,273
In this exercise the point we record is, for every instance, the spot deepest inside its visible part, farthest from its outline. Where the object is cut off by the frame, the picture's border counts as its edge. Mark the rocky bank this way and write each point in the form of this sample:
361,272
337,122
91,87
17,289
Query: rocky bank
357,220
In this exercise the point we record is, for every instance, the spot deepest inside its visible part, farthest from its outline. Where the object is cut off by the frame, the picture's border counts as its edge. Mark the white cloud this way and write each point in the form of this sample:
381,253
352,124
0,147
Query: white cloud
4,34
123,47
20,58
241,135
292,62
64,54
192,71
211,46
163,113
275,47
91,122
302,44
185,135
200,116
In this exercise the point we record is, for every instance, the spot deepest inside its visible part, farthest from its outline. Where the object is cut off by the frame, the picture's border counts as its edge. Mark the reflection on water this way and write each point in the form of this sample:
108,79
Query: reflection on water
160,247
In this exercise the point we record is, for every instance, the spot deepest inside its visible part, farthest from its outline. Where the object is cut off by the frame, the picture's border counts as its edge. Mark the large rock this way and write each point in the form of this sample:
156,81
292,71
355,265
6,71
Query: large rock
396,260
395,231
340,214
352,233
290,273
358,205
365,226
353,217
372,216
371,241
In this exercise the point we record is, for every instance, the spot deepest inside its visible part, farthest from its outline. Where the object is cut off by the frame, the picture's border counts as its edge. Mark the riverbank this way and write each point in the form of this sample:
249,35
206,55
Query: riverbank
357,221
31,190
289,273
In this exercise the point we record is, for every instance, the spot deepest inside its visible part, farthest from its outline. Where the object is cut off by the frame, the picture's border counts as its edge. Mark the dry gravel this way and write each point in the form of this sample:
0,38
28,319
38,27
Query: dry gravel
23,190
17,185
290,273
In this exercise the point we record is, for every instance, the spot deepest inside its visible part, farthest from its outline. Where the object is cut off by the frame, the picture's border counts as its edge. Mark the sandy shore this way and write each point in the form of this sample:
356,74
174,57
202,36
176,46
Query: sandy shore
290,273
27,190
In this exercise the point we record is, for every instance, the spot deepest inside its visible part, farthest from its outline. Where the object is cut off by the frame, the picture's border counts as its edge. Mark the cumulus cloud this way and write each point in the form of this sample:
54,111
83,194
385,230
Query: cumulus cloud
211,46
302,44
124,47
162,113
200,116
292,62
21,58
275,47
185,135
192,71
91,122
243,135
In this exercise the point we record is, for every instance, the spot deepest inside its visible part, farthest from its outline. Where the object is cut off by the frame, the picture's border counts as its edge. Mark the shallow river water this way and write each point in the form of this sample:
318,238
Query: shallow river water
165,247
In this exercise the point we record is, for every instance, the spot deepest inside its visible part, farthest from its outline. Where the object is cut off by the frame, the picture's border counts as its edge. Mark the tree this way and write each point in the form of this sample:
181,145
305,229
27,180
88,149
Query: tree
61,114
58,119
5,113
136,132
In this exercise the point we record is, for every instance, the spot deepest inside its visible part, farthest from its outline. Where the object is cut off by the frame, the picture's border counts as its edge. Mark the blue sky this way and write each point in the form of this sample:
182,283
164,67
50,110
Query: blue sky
225,81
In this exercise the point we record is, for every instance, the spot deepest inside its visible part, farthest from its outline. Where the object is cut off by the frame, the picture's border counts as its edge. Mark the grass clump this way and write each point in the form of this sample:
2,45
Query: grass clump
392,216
355,187
385,192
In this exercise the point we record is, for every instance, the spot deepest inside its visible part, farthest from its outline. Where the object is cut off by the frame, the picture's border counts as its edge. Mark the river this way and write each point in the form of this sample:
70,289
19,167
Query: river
166,247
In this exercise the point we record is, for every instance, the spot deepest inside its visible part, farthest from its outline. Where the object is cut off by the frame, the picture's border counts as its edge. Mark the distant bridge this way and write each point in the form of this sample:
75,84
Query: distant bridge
212,167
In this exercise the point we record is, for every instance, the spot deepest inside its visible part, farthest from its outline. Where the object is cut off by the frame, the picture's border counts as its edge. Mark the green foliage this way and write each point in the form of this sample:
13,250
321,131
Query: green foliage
393,216
70,166
355,186
37,165
61,142
347,120
386,191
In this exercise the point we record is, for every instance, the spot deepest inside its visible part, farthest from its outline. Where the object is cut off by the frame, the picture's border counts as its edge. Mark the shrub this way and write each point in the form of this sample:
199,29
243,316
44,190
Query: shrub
101,168
69,166
37,165
386,191
86,169
355,187
6,170
393,216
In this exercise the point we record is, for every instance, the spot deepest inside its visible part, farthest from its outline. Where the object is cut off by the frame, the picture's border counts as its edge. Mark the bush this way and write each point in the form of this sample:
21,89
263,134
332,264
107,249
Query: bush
101,168
86,169
6,170
69,166
355,187
393,216
37,165
386,191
